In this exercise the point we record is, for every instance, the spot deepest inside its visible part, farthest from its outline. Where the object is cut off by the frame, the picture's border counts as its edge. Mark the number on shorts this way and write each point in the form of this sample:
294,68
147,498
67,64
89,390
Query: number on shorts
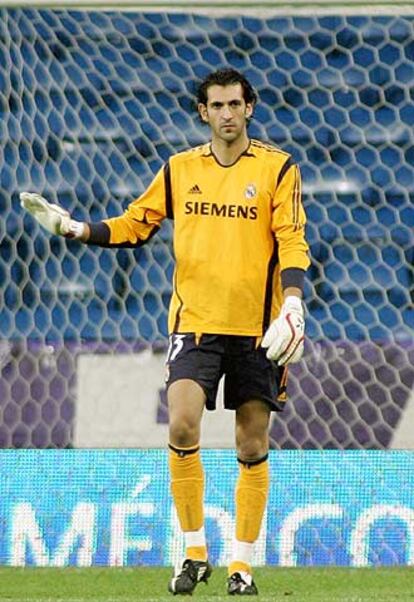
174,347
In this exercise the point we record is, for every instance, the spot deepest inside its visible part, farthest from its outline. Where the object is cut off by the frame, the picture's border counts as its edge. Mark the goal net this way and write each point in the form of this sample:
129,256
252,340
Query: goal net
91,105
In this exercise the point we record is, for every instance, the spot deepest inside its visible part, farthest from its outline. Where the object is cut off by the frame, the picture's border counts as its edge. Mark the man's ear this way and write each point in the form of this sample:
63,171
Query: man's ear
202,109
249,110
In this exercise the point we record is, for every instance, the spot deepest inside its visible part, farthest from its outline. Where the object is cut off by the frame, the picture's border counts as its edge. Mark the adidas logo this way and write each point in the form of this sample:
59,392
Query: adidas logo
195,190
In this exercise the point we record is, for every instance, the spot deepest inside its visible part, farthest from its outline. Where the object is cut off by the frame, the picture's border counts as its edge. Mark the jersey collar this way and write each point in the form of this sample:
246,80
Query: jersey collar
249,152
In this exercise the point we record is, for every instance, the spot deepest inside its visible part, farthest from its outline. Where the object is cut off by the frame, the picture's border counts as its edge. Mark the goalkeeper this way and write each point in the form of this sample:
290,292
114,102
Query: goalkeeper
236,307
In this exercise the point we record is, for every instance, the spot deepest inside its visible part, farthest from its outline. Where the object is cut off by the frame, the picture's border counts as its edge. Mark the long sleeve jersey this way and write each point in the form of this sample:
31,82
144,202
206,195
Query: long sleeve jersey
236,229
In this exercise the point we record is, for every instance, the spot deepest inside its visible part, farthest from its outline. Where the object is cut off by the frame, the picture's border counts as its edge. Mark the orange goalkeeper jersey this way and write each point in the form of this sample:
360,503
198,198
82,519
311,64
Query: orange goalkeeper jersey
235,229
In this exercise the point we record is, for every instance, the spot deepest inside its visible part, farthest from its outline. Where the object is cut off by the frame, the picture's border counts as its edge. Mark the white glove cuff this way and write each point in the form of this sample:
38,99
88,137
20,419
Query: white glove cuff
293,302
72,229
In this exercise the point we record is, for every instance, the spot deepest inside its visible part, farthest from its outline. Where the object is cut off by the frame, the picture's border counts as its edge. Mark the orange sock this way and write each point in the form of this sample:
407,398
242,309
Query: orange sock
237,566
187,489
251,498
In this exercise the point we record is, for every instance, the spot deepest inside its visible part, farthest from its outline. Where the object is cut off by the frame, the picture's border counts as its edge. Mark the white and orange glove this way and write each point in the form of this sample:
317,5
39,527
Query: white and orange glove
52,217
284,339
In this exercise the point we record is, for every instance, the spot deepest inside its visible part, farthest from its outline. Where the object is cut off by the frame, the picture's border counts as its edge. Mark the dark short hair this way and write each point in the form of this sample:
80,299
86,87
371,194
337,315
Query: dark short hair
226,77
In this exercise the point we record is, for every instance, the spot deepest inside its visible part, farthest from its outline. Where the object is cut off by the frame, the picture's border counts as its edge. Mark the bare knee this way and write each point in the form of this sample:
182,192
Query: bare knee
183,432
252,431
250,450
186,401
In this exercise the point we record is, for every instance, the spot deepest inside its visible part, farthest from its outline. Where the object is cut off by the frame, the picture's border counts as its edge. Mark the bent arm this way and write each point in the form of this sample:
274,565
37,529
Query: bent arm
139,222
131,229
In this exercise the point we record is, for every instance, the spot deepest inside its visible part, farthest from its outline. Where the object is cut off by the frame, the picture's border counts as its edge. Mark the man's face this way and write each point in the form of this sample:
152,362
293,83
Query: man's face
226,111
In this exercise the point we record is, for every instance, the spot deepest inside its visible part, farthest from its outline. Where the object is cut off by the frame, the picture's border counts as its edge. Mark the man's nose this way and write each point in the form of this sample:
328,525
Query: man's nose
227,114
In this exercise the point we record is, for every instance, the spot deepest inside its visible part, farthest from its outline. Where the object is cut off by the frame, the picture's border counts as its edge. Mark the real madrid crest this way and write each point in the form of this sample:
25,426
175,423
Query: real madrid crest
250,192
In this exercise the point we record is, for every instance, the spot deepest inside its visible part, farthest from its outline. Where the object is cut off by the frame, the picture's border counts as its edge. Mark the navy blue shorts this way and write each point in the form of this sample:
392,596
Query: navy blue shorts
248,374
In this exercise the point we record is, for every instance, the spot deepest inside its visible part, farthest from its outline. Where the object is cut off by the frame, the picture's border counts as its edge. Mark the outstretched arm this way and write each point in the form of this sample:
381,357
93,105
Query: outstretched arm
54,218
131,229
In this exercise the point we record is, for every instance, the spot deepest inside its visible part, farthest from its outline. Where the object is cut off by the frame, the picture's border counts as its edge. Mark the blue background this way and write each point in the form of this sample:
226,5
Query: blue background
92,103
53,482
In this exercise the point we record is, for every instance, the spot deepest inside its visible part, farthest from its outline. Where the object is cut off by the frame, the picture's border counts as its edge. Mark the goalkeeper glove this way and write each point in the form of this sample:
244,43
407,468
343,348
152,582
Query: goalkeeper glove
52,217
284,339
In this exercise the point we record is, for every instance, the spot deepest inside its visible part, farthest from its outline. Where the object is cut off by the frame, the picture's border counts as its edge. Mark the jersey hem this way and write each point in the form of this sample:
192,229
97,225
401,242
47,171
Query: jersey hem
230,332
